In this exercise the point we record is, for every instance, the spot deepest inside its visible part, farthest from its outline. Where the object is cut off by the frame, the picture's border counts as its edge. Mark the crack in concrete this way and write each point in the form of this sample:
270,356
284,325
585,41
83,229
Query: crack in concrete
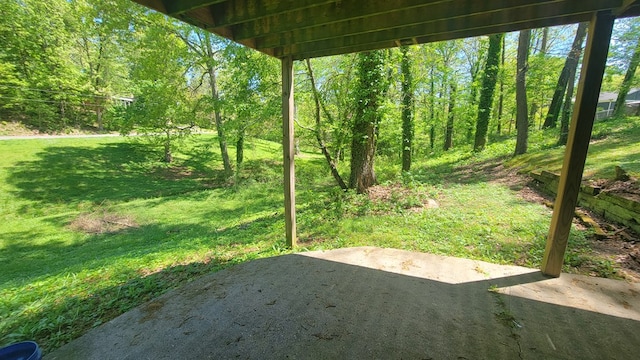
507,319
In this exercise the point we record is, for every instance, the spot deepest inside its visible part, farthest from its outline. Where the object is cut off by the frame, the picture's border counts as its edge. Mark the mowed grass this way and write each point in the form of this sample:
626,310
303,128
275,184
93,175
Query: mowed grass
56,283
614,143
186,219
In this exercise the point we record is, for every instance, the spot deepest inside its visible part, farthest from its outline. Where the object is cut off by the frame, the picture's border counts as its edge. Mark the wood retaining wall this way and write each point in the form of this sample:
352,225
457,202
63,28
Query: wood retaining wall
608,205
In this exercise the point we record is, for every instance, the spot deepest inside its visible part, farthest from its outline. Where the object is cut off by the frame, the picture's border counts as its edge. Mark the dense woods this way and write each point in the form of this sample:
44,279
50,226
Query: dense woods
112,65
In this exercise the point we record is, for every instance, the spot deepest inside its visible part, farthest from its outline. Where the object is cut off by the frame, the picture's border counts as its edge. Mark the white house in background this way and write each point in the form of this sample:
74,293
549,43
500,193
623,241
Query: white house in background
124,101
607,101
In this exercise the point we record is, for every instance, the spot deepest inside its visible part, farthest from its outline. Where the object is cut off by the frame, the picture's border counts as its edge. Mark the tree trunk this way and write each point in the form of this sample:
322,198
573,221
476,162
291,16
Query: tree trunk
222,140
320,134
475,71
545,40
432,100
448,137
167,148
432,136
570,63
566,108
501,99
536,101
521,92
240,149
407,109
618,109
370,88
488,87
532,116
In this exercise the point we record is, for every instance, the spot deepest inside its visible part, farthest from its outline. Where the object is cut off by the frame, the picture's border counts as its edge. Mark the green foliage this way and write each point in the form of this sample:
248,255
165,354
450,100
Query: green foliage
58,280
370,91
163,111
613,145
407,110
489,80
251,97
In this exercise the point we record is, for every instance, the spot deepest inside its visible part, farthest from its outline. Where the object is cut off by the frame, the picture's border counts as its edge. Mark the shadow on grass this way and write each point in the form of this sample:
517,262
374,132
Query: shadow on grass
30,261
59,322
454,172
112,172
53,323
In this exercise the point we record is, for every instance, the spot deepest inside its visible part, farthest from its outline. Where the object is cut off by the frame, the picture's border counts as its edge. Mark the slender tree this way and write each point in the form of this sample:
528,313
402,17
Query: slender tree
407,109
488,87
474,50
163,108
568,101
448,137
501,99
370,90
571,63
205,46
522,121
566,109
247,79
618,109
319,133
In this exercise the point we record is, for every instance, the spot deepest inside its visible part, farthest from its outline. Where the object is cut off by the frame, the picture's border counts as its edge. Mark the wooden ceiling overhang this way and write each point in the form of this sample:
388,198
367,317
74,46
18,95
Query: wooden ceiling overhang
313,28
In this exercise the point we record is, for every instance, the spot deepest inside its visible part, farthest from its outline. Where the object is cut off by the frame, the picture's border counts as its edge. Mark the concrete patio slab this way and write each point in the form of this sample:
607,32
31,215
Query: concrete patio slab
373,303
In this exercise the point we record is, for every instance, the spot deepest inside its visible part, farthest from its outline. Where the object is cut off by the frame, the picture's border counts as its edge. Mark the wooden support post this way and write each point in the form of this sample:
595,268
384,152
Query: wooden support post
584,112
288,151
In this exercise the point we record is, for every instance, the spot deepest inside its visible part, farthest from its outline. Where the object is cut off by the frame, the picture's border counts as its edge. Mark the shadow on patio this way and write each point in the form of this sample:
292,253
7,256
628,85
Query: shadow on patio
375,303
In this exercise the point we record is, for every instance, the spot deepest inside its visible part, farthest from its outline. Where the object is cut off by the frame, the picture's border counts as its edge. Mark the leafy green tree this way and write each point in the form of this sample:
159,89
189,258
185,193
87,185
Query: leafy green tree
251,97
570,65
448,137
567,106
163,110
319,132
628,79
407,109
474,50
208,48
36,47
101,29
370,91
488,86
501,76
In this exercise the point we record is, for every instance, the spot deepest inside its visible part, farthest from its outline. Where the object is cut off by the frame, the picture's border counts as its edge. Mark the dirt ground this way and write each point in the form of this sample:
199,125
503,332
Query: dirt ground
621,245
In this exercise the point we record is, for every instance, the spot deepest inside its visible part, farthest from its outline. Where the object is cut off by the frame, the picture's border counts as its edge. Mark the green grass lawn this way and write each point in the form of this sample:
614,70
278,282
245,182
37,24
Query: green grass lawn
172,223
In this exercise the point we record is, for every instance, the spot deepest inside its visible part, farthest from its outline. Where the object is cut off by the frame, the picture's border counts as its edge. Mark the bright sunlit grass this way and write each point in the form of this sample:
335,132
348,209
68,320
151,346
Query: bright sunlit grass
175,222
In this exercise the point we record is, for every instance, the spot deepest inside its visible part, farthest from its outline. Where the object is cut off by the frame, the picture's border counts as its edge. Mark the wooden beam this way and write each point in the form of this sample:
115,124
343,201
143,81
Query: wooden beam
243,11
528,16
288,151
350,18
593,65
201,18
384,15
156,5
178,7
442,36
328,14
626,5
439,31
